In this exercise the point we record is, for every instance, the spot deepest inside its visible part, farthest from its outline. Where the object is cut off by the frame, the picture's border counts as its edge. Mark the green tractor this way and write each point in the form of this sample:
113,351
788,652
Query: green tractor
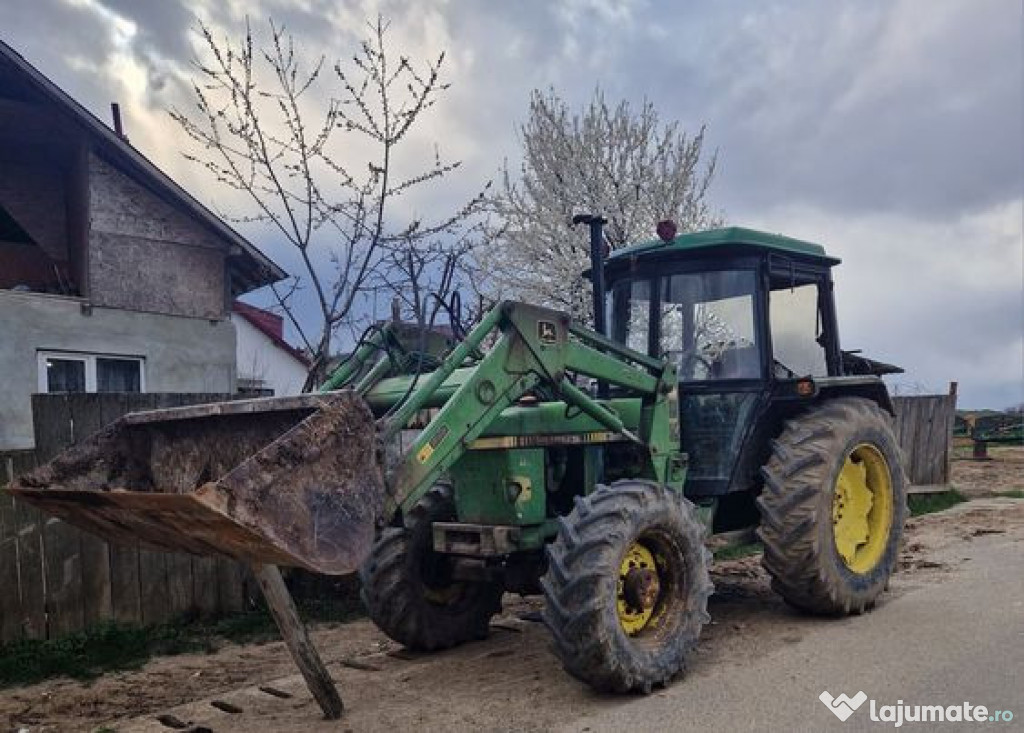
549,458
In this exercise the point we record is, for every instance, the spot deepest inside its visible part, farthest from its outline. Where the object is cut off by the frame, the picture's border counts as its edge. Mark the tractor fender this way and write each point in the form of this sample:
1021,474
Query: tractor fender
869,387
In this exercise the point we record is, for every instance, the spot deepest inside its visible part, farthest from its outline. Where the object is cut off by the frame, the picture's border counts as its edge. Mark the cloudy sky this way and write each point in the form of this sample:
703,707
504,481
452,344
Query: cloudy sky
891,131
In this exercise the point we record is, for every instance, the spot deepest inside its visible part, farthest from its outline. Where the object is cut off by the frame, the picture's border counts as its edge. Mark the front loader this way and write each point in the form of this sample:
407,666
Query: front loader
716,412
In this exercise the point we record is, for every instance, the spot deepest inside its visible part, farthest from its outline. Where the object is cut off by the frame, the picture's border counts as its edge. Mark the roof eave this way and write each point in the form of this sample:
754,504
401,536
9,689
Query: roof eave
263,271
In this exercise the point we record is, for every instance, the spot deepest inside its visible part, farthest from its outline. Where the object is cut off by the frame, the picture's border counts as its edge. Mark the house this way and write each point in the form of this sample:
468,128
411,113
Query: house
267,364
112,277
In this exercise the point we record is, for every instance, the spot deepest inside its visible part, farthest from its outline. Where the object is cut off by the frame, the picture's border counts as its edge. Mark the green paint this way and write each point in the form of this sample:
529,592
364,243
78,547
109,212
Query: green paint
697,242
504,487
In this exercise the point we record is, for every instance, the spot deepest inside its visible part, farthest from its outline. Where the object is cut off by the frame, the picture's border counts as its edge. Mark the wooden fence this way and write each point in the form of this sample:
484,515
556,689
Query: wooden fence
55,579
924,429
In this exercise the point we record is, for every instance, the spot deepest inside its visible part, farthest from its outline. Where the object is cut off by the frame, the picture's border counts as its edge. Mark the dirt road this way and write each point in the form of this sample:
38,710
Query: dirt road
512,682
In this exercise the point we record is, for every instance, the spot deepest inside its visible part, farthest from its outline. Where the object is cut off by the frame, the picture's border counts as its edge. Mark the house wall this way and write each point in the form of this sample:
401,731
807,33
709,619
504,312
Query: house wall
33,192
259,359
181,354
145,255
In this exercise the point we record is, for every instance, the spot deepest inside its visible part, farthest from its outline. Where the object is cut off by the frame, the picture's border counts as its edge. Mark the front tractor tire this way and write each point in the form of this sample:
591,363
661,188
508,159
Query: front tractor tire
627,586
833,507
408,589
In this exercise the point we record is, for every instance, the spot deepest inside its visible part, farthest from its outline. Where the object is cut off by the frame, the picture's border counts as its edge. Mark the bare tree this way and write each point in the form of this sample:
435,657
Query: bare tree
621,162
424,276
290,137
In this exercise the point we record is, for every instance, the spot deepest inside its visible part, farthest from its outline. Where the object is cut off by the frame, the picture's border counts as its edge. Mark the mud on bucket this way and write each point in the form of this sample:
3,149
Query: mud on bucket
287,481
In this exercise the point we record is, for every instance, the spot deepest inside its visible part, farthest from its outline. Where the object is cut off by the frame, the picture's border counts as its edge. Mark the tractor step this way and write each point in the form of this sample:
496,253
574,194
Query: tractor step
475,540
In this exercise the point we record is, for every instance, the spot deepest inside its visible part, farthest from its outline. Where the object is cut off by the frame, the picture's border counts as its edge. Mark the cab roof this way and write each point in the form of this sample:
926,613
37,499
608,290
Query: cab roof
726,238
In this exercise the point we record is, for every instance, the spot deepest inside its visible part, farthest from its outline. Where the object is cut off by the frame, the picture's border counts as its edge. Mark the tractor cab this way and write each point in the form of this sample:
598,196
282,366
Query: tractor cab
749,321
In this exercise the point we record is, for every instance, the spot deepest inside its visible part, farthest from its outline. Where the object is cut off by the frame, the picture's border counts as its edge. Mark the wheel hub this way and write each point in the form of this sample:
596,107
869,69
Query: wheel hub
638,589
862,508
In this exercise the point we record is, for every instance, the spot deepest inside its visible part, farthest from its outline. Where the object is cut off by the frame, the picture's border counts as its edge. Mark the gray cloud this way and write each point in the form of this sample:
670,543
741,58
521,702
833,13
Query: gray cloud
892,131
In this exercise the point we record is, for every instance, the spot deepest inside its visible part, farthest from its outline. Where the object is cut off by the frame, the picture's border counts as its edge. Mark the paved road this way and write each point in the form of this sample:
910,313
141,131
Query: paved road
958,640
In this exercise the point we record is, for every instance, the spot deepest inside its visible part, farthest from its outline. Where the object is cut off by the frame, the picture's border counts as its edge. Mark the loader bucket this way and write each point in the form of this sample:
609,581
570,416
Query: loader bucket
285,481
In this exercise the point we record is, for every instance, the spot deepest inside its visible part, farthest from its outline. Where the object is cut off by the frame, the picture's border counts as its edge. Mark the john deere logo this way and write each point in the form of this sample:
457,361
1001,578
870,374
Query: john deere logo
546,332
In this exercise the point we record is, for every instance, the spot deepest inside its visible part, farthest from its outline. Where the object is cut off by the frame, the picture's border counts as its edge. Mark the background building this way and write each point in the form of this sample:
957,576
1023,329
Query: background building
112,277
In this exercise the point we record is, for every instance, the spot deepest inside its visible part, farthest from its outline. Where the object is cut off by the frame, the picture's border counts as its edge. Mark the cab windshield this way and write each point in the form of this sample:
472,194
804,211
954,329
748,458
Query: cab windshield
701,321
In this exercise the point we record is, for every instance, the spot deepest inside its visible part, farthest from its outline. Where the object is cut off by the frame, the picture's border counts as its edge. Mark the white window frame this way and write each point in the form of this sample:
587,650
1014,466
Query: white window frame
90,367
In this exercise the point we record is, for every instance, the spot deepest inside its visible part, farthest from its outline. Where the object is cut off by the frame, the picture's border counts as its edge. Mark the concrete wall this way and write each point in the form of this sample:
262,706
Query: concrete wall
260,360
181,354
145,255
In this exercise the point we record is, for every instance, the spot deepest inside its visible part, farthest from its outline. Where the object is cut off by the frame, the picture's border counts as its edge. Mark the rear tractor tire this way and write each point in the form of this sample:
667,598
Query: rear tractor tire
627,586
408,589
833,507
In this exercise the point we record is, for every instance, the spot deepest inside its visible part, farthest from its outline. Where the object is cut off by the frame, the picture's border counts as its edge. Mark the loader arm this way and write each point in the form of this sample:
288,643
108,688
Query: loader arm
535,347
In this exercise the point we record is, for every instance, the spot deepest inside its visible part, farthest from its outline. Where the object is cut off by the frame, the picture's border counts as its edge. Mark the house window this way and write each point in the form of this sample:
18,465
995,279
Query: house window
72,372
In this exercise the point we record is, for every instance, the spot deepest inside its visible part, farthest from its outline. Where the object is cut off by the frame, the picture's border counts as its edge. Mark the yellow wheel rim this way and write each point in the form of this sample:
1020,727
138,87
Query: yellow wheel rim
637,589
862,509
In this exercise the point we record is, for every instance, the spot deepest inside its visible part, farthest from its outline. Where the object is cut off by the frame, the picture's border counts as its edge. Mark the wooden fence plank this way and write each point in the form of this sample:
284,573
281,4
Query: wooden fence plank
93,413
179,584
229,586
950,427
10,596
10,599
52,422
63,567
31,570
125,601
97,603
154,594
922,427
204,586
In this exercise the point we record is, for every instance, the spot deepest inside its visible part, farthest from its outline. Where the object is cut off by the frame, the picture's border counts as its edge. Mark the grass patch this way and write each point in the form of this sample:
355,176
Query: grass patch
929,503
90,653
113,646
735,552
1012,493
